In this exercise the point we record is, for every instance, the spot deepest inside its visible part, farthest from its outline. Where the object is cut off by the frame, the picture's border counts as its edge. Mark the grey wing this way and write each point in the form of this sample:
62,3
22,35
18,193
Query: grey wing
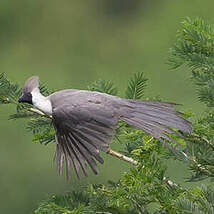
81,132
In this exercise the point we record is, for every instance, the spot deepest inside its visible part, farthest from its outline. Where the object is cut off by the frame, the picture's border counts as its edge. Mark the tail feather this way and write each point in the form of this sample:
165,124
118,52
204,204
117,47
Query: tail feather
155,118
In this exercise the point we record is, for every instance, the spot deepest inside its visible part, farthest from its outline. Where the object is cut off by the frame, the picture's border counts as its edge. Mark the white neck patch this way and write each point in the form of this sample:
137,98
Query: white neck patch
41,102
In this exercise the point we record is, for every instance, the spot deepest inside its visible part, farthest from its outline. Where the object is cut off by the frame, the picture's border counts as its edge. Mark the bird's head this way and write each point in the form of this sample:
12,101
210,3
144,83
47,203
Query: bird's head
30,85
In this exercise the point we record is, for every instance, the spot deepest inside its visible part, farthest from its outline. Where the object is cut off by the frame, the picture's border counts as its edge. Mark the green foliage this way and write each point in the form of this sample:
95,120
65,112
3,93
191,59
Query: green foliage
200,148
75,202
136,86
41,127
42,130
136,191
195,49
194,46
103,86
197,201
8,92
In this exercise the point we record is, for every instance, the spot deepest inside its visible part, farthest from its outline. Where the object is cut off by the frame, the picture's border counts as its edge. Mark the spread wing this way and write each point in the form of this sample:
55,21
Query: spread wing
81,132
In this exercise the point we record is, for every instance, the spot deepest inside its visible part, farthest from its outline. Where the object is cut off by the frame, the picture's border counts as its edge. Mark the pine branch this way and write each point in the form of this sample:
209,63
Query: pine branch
136,86
37,111
194,46
135,163
9,93
197,200
104,87
195,49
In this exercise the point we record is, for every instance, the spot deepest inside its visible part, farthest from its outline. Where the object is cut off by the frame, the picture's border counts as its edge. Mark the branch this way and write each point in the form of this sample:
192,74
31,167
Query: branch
37,111
135,163
170,183
122,157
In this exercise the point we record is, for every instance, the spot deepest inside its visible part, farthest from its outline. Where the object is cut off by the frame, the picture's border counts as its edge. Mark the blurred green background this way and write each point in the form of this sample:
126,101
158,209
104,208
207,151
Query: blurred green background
69,44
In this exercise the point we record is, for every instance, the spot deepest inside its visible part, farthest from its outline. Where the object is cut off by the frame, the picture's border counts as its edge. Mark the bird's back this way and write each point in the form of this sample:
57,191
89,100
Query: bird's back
75,97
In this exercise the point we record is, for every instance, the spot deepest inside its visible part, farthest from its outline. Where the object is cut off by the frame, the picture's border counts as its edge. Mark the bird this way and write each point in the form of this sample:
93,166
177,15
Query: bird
85,122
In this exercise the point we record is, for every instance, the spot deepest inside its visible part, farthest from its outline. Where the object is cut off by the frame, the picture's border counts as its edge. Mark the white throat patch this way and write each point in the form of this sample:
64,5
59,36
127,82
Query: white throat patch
41,102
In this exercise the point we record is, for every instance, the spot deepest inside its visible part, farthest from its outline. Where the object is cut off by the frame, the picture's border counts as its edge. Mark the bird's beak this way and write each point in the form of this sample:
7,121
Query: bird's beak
21,99
25,98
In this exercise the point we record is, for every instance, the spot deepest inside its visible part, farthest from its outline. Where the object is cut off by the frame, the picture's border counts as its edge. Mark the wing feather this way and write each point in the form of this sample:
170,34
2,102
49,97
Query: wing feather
89,148
59,157
76,154
99,144
83,153
70,157
81,132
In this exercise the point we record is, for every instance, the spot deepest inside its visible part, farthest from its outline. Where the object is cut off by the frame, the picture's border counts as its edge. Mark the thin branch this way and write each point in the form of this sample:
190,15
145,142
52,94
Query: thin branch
135,163
37,111
121,157
170,183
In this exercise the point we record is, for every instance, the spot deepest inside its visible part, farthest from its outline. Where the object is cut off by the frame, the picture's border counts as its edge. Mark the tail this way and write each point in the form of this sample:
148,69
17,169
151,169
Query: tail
156,118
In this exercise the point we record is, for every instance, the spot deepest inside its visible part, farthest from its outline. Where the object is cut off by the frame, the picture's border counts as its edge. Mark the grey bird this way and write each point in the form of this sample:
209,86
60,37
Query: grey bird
85,122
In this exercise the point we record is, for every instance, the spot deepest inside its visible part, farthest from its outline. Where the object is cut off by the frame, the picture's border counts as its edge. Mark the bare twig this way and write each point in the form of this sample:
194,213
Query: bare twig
121,156
170,183
37,111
